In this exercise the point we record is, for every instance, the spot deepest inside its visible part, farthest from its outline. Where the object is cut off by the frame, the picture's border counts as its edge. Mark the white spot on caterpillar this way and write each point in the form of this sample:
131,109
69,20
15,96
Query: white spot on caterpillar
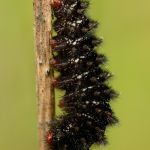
79,21
84,89
74,43
87,102
73,24
85,73
79,77
82,56
94,102
77,60
70,125
72,60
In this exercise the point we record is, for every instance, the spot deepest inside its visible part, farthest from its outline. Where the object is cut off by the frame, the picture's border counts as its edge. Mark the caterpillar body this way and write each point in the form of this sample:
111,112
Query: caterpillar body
87,94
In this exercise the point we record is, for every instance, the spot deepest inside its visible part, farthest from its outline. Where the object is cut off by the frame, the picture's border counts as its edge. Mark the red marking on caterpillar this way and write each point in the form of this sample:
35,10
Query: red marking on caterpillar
53,43
61,104
54,82
49,138
53,62
56,3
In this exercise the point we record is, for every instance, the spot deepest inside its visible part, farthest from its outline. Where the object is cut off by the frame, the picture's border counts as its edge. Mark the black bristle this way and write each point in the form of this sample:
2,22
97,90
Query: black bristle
86,107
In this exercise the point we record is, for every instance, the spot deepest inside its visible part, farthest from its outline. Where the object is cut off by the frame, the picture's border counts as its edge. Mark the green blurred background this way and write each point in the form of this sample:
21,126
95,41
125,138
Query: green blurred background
125,26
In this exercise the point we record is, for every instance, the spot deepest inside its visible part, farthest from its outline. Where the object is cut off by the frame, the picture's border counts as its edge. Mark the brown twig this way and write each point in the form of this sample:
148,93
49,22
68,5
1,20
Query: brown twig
44,73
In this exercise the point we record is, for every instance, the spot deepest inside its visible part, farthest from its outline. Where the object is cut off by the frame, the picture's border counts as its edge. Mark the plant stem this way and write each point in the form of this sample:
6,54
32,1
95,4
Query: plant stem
44,72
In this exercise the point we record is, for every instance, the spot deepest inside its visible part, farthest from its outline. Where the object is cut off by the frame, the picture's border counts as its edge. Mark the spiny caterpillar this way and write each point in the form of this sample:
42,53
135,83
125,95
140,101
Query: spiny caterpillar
87,94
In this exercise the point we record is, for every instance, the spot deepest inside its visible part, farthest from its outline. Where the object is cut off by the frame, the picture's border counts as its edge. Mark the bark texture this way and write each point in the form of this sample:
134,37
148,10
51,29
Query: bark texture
44,72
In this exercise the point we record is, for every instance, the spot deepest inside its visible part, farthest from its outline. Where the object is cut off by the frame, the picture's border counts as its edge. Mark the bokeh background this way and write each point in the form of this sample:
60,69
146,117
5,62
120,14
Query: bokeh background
125,26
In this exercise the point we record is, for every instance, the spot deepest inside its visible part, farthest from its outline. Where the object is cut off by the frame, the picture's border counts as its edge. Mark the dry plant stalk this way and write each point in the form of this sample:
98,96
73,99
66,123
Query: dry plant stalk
44,73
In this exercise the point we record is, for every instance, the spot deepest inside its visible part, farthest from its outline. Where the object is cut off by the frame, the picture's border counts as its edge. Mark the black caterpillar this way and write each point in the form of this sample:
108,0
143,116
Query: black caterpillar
87,94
